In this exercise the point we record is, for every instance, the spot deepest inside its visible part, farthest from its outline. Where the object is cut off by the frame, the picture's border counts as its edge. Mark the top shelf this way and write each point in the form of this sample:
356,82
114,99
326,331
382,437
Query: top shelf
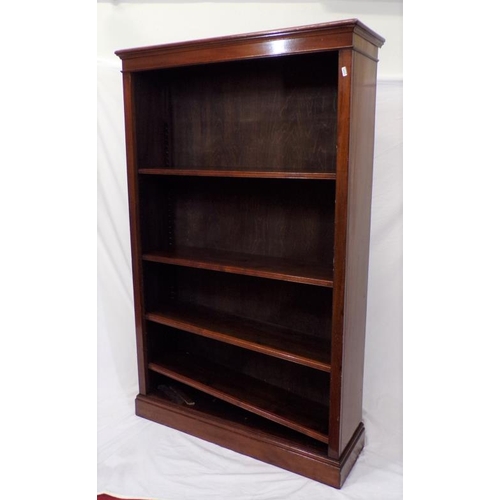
222,172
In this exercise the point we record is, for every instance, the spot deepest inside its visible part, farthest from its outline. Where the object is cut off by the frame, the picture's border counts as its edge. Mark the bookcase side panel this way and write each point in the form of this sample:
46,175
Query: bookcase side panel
135,240
340,232
360,175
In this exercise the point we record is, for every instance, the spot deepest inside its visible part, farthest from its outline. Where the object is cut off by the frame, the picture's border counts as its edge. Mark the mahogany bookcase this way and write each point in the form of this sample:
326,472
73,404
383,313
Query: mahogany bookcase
250,174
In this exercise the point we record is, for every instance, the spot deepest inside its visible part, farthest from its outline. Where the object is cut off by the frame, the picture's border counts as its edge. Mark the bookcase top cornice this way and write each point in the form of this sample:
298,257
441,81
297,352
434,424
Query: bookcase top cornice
301,39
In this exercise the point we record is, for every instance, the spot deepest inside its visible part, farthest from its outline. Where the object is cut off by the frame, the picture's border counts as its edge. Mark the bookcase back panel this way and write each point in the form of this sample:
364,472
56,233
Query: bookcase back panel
289,219
301,308
275,114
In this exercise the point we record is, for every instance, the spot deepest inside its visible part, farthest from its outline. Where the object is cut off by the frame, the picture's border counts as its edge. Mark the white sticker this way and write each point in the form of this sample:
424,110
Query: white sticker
344,71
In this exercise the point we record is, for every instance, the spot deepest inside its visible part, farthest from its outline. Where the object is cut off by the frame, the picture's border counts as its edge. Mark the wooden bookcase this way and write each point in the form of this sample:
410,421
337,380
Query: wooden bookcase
249,171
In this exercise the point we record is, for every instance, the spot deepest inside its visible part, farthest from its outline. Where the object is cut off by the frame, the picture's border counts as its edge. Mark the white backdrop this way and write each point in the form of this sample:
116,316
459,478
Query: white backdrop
138,458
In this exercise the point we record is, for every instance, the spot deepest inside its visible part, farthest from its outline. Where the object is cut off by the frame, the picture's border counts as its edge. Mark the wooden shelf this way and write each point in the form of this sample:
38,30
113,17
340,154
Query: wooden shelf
250,265
272,340
227,172
280,406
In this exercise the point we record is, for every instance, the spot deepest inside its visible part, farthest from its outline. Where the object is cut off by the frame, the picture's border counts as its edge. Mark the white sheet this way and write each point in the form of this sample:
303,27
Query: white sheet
141,459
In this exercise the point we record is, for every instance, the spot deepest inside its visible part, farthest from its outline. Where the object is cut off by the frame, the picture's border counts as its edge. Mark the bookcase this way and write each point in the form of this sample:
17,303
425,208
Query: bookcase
249,172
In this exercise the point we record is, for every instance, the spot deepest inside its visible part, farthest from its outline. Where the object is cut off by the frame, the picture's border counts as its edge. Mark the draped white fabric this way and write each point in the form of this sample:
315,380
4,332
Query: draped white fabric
141,459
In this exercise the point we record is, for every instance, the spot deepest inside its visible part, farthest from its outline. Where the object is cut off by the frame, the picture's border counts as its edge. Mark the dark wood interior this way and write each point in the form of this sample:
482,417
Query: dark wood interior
287,393
300,308
273,114
249,169
287,219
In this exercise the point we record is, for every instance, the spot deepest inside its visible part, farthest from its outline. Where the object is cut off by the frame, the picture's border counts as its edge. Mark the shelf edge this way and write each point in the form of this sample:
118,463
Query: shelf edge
235,269
253,174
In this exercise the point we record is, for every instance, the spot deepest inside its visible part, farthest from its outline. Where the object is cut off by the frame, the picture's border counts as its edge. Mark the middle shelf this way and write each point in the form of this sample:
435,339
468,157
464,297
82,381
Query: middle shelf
272,318
261,173
241,263
272,340
268,228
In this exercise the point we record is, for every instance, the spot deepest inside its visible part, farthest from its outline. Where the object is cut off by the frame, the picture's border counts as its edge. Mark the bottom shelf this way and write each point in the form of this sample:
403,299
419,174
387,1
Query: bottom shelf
256,396
170,391
231,427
